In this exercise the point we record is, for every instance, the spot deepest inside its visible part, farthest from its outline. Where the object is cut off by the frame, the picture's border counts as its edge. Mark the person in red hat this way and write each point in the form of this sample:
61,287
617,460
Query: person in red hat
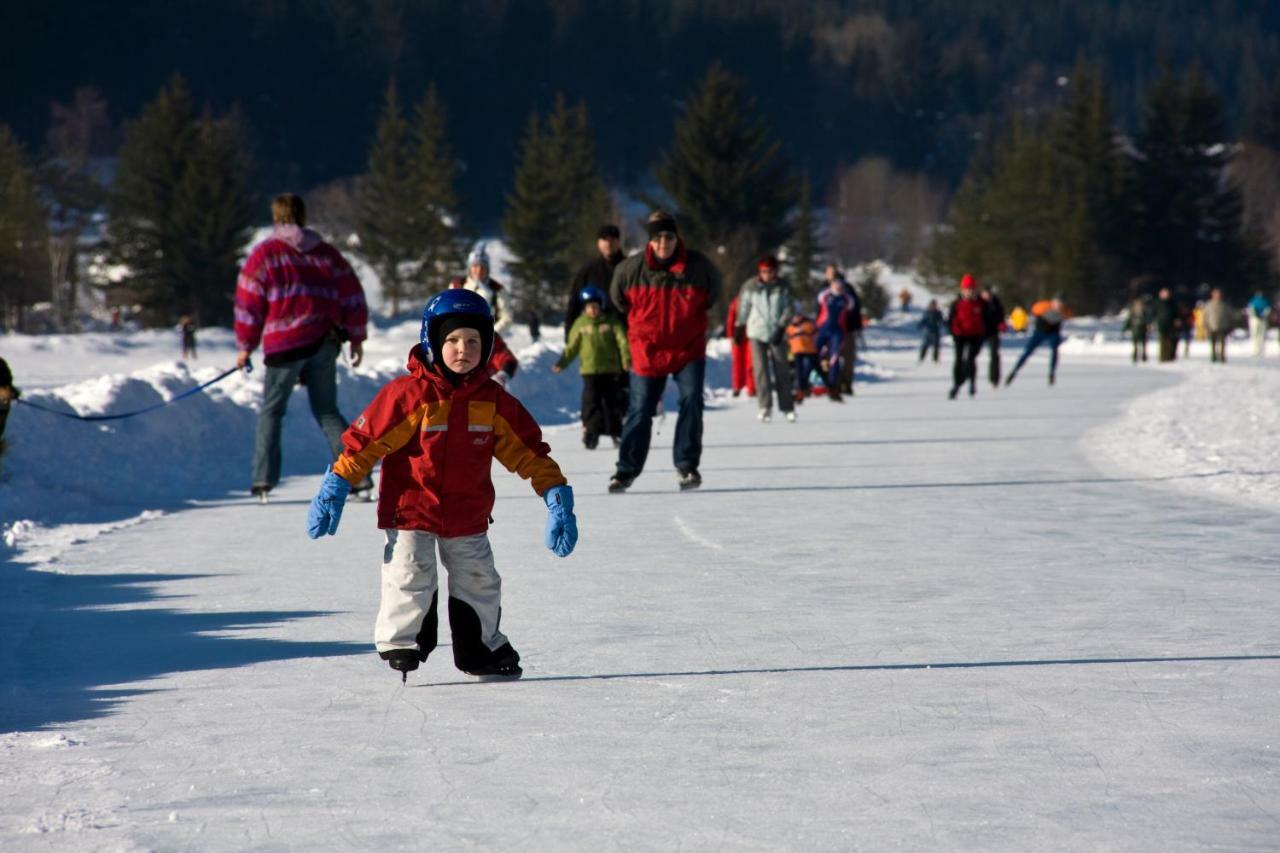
764,309
967,321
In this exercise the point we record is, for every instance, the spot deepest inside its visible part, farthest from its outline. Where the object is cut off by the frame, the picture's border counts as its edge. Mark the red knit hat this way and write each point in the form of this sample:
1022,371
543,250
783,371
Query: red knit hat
968,282
767,262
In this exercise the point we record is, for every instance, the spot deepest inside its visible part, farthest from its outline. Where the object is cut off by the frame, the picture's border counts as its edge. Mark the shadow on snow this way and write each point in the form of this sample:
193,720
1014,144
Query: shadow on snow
66,636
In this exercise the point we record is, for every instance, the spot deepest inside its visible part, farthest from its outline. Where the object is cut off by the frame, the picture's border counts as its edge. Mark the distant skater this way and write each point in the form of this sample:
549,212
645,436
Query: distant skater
1050,315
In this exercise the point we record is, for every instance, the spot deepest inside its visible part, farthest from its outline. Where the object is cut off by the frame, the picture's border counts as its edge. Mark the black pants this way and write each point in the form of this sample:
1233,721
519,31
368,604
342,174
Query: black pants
966,366
1168,346
993,367
604,403
930,341
1218,346
1139,348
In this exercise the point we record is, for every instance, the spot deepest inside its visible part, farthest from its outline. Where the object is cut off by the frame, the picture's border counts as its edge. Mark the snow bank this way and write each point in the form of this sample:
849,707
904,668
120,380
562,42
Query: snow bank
1214,431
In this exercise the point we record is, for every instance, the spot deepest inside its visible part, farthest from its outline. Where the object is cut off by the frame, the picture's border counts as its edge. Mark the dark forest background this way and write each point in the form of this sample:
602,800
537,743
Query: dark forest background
1094,148
918,82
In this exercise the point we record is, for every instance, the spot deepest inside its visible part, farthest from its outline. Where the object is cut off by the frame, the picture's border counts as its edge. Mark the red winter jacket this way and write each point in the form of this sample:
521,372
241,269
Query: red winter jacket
292,290
666,307
967,318
437,444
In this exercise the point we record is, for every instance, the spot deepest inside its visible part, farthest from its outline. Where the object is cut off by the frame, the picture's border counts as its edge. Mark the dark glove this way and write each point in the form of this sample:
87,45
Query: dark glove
562,526
326,507
739,334
776,338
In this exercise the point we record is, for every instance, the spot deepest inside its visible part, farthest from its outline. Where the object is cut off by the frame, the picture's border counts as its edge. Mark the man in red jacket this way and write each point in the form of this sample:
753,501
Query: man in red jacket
297,295
968,325
666,292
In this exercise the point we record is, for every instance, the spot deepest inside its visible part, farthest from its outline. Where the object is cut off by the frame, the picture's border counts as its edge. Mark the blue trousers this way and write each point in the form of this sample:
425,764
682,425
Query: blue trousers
319,373
1037,338
637,429
830,341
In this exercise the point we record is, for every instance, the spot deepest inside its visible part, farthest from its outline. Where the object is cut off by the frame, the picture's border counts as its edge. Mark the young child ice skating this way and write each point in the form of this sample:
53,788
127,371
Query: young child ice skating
437,432
599,337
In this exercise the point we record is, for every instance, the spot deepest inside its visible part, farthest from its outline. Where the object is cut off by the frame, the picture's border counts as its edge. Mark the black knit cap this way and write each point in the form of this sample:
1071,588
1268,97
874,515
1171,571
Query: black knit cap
660,221
452,322
608,232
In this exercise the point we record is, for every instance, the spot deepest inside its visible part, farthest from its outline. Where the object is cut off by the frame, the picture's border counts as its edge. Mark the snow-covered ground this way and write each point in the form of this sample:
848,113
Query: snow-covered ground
1039,619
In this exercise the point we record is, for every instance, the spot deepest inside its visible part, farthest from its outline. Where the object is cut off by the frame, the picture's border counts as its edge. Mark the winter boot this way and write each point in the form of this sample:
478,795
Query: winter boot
620,483
259,491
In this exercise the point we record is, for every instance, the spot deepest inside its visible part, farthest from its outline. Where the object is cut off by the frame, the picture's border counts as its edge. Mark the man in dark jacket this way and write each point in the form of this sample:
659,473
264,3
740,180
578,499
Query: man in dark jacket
596,273
993,317
666,292
1167,318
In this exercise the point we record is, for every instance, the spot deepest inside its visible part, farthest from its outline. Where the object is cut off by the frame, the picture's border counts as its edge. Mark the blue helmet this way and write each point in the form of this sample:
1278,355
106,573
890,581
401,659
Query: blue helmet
591,293
457,303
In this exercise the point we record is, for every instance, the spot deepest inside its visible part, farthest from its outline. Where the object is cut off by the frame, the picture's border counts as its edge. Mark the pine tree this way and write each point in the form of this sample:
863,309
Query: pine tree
434,172
24,268
1004,220
1087,250
536,224
730,184
74,191
211,219
391,214
141,233
1188,217
582,189
804,249
558,203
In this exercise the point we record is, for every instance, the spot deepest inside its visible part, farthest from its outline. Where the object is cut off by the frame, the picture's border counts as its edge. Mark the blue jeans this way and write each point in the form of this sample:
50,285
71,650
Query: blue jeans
319,372
637,429
1038,338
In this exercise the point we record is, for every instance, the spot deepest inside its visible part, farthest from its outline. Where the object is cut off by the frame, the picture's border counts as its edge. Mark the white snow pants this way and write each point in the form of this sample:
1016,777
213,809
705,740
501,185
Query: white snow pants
1257,333
410,584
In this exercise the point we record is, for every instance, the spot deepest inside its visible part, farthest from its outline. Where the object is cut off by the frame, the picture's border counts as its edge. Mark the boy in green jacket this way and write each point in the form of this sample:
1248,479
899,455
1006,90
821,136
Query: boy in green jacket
598,335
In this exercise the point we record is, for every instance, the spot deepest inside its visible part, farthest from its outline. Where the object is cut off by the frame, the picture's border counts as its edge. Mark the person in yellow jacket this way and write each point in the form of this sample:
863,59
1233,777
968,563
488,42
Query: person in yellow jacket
1050,315
1018,319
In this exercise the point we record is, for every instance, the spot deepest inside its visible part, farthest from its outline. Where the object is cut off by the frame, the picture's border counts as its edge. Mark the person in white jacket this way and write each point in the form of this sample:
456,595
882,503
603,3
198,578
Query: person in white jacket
478,281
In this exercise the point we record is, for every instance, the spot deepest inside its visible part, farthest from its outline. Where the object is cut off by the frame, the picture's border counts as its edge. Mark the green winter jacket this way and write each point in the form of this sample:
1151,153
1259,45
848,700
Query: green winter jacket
602,343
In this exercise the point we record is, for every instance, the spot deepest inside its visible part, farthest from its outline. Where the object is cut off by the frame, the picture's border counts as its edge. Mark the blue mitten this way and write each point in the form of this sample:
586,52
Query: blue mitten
326,506
562,526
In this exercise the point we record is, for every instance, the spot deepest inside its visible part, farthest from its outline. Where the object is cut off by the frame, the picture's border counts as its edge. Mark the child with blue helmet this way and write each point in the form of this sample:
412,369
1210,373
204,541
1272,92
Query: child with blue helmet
599,337
437,431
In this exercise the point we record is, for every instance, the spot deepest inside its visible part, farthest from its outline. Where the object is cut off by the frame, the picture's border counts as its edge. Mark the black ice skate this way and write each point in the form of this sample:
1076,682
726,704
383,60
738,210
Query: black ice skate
620,483
690,479
505,664
260,492
403,661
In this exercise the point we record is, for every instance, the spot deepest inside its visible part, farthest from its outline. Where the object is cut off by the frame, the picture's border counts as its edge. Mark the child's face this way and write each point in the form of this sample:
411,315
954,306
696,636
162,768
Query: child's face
461,350
592,309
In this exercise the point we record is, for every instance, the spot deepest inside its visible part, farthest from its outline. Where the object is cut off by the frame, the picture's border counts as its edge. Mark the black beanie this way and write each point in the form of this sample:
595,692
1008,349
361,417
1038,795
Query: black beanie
452,322
660,221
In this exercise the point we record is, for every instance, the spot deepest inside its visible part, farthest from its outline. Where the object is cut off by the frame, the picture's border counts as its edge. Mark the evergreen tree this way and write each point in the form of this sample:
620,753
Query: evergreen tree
24,268
1086,255
536,224
211,219
1188,216
152,160
1004,219
434,173
558,203
730,184
73,190
391,214
804,249
582,189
